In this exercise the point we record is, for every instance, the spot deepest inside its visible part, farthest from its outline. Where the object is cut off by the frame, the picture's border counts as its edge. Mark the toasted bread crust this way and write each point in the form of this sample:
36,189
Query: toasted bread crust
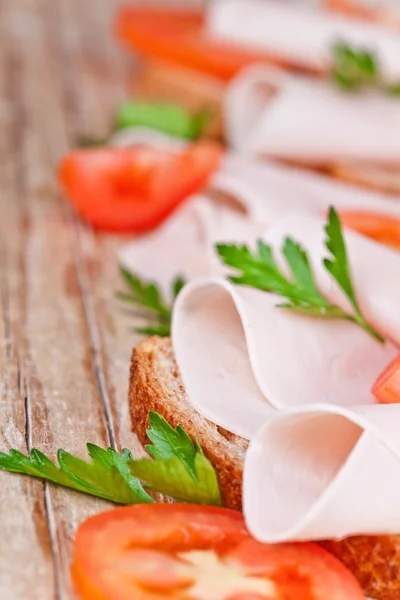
155,385
152,362
374,560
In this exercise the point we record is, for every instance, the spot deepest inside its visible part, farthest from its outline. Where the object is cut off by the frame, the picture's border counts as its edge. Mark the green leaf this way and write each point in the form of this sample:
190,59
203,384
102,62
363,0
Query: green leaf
168,443
346,82
171,477
160,329
338,266
167,118
177,285
260,270
357,68
366,63
107,476
394,89
300,268
353,68
179,469
145,294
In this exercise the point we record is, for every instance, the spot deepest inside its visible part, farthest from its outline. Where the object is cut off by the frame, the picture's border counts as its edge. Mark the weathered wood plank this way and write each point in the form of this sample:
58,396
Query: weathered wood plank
65,342
25,544
46,322
111,326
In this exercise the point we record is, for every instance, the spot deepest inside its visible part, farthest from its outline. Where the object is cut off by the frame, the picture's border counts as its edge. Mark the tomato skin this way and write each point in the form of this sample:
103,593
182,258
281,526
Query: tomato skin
134,189
386,388
141,552
377,226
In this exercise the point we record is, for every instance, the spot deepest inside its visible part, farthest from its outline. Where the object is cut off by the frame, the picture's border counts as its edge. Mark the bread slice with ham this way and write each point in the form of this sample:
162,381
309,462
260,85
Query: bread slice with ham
155,384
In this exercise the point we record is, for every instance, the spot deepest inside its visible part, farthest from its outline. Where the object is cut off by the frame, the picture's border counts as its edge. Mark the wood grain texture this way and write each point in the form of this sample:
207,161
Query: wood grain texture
65,343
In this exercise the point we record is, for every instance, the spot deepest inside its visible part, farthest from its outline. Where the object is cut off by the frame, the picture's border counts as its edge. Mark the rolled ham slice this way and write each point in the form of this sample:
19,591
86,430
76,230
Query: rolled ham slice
241,358
326,462
324,472
271,114
296,33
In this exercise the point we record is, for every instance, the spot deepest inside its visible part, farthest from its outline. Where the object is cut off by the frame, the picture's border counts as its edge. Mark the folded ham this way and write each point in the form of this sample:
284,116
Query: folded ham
272,114
324,472
326,463
297,33
329,469
293,359
249,195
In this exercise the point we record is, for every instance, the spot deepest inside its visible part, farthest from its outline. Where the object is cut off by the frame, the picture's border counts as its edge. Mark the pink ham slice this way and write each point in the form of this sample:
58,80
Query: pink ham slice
375,270
261,192
272,114
324,472
326,462
292,31
294,359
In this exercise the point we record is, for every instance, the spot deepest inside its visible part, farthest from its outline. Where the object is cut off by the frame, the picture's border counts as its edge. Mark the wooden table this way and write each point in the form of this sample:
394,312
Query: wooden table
65,342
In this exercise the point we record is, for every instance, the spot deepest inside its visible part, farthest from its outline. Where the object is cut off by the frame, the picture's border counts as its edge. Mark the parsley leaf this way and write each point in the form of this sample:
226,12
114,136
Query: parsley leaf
338,266
179,469
356,68
104,477
171,477
148,296
167,118
168,442
260,270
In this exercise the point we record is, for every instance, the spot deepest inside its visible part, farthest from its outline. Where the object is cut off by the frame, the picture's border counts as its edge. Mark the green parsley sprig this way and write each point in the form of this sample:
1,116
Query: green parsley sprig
355,69
147,295
170,119
166,118
178,469
260,270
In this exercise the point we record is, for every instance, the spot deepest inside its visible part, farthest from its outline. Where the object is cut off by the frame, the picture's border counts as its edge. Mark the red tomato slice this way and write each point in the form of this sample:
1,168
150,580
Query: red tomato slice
187,552
177,36
386,388
379,227
135,189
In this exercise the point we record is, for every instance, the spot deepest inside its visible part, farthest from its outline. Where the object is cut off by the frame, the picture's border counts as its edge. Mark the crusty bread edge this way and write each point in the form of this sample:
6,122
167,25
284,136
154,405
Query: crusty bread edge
146,394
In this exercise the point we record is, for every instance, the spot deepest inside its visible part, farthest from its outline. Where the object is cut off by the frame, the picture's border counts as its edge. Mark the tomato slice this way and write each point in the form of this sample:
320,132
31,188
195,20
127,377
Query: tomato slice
377,226
135,189
178,36
189,552
386,388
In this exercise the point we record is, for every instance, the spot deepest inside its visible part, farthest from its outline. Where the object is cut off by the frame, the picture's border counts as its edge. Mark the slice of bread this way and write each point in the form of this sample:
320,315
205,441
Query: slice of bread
155,384
194,91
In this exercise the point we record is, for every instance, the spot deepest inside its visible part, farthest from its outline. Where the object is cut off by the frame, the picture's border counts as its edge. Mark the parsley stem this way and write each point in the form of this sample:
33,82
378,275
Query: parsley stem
362,322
